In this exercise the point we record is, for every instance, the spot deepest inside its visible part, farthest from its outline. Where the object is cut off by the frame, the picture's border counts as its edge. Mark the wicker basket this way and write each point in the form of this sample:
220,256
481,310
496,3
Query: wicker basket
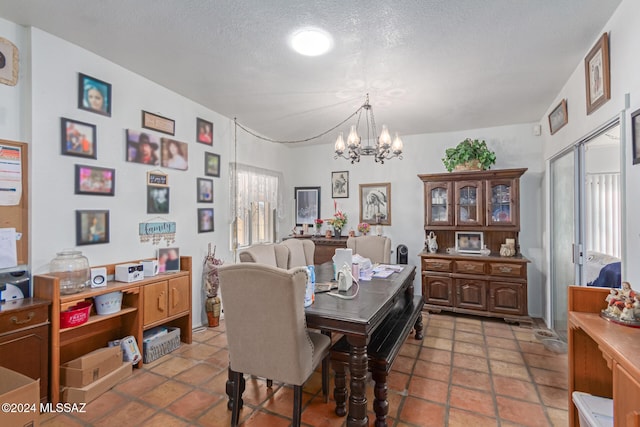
471,165
162,345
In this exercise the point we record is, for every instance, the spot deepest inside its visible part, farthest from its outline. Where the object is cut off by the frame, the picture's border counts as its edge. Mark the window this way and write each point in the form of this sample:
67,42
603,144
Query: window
255,202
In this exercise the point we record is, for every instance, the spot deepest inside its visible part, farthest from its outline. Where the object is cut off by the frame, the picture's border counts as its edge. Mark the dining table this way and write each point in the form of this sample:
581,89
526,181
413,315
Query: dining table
356,314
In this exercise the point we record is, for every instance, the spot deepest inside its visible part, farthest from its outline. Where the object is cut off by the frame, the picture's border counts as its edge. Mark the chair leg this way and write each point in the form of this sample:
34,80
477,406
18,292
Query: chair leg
269,383
325,378
237,398
340,390
297,405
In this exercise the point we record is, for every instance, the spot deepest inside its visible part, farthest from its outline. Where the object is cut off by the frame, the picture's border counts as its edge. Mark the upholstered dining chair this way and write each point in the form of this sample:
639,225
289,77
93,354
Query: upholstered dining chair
264,308
301,252
272,254
376,248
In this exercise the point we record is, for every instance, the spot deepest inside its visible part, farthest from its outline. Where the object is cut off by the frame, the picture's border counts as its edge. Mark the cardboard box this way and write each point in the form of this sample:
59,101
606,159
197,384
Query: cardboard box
24,394
90,367
89,392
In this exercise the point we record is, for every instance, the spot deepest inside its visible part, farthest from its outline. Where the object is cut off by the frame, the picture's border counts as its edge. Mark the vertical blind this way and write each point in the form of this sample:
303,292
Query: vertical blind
603,213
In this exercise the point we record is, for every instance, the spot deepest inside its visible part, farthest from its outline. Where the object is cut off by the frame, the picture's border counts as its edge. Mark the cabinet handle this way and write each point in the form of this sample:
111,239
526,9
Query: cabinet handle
29,318
505,269
437,265
175,297
469,267
162,301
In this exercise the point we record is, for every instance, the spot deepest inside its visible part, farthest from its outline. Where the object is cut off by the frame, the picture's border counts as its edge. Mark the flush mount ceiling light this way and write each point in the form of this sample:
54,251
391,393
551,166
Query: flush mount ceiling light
384,148
311,42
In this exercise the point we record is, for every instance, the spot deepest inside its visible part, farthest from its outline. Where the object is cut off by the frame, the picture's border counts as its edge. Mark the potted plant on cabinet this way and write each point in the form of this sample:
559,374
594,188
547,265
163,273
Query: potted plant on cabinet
470,154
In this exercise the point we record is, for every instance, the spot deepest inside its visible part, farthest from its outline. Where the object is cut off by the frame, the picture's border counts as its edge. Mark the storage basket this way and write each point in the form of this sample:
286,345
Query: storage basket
108,303
160,346
76,315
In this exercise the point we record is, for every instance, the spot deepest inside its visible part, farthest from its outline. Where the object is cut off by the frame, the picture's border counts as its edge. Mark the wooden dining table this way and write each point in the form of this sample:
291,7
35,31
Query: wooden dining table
357,319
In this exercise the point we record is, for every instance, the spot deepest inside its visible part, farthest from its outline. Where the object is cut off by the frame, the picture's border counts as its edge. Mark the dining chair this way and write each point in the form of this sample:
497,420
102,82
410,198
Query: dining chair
376,248
273,254
264,309
301,252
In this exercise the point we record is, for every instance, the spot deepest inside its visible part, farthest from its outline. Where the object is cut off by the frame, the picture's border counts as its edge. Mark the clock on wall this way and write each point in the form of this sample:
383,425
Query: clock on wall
8,62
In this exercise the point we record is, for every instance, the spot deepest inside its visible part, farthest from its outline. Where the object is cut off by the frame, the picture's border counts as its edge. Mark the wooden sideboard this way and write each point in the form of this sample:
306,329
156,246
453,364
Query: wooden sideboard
325,246
604,357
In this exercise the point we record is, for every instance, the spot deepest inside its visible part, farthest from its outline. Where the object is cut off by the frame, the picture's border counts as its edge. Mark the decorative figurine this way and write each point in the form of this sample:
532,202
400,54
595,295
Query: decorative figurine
623,306
432,244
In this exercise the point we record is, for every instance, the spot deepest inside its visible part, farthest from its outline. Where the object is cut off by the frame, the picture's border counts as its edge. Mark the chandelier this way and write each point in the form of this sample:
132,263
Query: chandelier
383,150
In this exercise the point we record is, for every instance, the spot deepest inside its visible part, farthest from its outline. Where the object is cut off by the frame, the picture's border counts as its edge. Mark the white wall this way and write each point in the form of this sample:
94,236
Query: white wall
624,35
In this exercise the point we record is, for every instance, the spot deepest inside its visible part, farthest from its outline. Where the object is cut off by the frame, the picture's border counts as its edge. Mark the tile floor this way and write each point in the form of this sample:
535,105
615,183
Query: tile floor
467,371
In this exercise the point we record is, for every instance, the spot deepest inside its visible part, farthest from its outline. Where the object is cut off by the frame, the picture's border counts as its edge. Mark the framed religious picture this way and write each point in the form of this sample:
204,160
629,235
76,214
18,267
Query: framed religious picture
94,180
558,117
597,77
205,190
340,185
307,204
635,136
375,203
204,131
78,138
92,227
205,220
94,95
212,164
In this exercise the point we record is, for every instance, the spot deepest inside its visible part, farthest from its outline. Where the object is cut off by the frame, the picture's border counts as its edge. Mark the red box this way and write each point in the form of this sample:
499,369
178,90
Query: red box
76,315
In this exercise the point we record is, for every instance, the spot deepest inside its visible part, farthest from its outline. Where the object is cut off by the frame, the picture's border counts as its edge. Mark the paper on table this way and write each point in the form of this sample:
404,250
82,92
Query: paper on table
8,252
383,273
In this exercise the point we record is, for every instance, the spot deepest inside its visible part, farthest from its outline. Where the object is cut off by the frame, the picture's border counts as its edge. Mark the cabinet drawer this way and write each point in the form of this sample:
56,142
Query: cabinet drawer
434,264
469,267
20,319
506,269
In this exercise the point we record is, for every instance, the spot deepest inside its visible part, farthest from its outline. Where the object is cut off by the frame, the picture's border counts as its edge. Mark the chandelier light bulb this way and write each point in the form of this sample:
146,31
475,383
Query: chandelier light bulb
385,139
353,140
396,147
339,147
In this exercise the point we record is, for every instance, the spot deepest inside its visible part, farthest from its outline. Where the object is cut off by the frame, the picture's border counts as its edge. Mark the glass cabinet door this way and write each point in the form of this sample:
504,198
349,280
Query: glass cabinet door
469,203
438,203
500,198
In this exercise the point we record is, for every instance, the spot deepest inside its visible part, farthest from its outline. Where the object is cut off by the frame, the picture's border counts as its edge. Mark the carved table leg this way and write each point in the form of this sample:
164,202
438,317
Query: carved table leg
340,390
358,366
230,388
380,403
418,327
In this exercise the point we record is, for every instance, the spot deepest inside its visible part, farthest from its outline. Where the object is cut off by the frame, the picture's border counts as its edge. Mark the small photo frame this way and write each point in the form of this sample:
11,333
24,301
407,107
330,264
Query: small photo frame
597,77
212,164
92,227
78,139
95,181
558,117
158,123
340,185
375,203
205,190
469,241
204,131
94,95
157,200
175,154
205,220
8,62
157,179
143,148
635,136
307,205
168,260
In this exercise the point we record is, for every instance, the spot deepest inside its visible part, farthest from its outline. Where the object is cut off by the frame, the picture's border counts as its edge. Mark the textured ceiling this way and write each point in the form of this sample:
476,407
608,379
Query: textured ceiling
428,65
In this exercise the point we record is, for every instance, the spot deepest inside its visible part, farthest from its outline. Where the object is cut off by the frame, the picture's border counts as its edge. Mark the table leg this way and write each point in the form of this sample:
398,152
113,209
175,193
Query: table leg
340,389
418,327
358,366
380,403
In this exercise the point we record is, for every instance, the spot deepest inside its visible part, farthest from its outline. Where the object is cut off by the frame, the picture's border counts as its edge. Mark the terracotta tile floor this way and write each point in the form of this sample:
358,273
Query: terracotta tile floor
466,372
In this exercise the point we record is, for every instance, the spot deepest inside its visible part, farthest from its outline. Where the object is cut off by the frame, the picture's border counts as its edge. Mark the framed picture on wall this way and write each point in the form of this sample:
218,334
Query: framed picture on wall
205,190
143,148
205,220
8,62
94,95
558,117
78,138
157,200
158,123
212,164
92,227
635,136
94,180
204,131
597,77
375,203
175,154
307,204
340,185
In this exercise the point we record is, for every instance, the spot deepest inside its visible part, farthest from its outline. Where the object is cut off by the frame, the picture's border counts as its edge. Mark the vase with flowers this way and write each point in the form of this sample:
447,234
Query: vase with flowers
318,223
338,222
364,228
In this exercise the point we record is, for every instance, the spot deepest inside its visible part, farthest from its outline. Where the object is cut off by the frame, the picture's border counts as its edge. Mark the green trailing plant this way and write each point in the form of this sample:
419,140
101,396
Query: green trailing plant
467,151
